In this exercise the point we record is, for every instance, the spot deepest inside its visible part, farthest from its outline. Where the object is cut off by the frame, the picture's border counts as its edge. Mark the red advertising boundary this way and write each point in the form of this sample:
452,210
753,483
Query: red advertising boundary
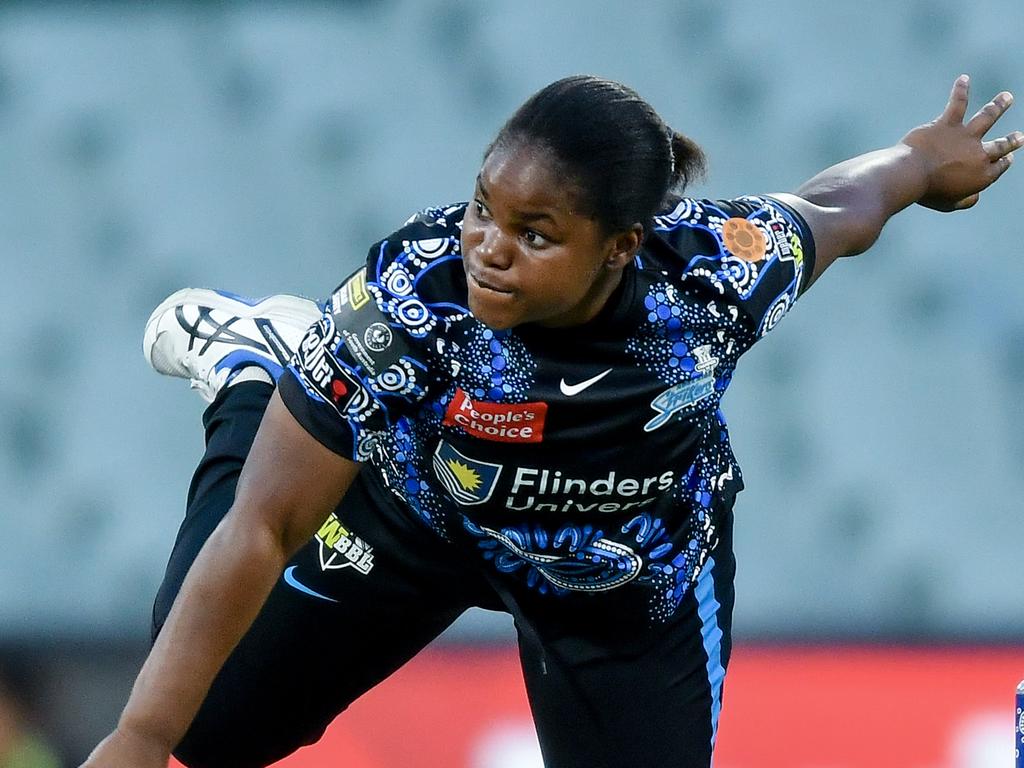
784,707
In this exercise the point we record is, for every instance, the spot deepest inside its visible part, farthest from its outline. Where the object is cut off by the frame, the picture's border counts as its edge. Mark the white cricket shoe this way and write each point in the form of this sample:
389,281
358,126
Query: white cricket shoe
207,336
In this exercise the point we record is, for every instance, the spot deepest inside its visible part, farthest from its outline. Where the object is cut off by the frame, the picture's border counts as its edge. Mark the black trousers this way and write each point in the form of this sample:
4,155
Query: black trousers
376,586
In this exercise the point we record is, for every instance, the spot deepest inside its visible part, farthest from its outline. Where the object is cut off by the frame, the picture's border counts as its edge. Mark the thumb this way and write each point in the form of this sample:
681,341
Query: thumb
967,202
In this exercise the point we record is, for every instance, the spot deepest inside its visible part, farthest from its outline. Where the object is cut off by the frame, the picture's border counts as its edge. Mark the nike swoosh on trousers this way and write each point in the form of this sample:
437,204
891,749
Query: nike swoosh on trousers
291,581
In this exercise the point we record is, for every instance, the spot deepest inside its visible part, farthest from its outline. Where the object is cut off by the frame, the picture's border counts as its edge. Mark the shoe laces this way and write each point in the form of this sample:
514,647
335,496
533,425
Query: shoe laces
211,385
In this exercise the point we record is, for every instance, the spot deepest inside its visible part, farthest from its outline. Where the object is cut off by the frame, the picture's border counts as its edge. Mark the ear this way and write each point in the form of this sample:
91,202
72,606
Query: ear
623,247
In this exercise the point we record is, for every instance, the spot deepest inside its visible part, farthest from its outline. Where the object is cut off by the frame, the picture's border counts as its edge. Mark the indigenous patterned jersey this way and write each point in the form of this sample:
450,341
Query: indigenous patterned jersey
574,459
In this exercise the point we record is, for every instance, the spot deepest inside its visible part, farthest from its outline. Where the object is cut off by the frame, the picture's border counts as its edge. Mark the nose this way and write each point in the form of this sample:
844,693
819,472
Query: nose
495,250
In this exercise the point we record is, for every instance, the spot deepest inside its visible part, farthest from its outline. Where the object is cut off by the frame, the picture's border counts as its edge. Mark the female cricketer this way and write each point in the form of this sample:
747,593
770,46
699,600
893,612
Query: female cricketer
512,404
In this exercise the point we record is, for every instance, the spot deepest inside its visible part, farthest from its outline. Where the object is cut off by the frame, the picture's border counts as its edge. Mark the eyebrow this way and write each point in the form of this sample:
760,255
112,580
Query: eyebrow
527,216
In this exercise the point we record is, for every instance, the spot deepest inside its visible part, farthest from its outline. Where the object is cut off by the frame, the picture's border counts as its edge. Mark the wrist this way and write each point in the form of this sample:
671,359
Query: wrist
923,162
919,164
144,736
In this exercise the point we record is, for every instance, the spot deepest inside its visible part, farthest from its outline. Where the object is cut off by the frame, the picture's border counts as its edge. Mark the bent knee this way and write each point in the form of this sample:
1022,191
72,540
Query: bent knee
219,740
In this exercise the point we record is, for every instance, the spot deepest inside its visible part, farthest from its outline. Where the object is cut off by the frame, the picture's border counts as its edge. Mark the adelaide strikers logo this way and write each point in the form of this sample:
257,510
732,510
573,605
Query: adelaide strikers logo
468,481
682,396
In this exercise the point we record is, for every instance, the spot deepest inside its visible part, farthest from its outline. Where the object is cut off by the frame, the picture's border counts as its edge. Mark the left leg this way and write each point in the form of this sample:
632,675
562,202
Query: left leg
615,697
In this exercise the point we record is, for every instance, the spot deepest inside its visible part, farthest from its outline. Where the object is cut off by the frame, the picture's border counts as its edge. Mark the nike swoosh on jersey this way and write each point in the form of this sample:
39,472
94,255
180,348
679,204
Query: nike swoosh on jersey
574,389
291,581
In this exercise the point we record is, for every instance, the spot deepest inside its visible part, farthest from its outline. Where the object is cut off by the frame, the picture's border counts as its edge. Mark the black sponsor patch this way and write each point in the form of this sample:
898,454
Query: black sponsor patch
326,376
364,329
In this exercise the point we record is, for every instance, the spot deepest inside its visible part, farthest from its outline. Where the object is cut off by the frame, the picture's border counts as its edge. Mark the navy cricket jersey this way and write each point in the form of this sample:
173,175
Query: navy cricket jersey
574,459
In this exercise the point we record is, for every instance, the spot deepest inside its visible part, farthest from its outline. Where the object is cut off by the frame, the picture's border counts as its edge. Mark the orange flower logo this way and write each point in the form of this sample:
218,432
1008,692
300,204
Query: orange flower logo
743,239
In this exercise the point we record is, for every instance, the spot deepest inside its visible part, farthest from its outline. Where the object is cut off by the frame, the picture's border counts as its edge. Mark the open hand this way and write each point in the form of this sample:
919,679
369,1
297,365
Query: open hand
959,162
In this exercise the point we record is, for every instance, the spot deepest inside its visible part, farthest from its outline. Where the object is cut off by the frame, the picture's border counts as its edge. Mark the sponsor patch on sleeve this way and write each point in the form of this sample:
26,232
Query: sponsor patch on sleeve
352,293
324,376
364,330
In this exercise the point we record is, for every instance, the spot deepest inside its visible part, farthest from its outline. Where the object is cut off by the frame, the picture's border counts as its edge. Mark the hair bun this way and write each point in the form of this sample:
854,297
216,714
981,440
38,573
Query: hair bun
688,160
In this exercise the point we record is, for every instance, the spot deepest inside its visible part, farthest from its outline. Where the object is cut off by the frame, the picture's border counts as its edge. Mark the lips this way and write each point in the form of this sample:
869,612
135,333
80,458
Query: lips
489,285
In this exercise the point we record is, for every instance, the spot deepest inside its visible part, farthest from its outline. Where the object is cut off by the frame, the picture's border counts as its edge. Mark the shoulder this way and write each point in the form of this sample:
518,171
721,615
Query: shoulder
424,237
750,228
713,214
433,223
415,274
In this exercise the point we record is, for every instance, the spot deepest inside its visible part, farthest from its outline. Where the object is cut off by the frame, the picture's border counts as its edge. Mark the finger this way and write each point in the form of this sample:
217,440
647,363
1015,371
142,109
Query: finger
967,202
986,117
999,167
956,108
1004,146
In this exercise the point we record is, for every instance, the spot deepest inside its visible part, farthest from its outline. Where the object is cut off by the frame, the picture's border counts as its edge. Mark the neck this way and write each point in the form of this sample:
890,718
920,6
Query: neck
592,304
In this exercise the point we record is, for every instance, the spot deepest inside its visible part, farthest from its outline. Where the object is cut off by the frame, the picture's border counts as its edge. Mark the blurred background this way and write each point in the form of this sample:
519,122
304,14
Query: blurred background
261,147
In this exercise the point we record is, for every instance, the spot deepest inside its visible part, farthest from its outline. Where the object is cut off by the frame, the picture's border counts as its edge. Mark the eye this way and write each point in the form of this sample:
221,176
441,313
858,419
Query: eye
535,239
481,210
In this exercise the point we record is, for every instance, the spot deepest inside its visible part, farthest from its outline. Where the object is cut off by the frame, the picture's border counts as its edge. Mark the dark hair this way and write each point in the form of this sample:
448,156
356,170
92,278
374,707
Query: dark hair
625,160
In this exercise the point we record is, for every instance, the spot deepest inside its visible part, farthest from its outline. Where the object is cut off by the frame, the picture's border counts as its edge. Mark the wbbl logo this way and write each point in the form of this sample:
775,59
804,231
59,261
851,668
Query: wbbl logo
340,548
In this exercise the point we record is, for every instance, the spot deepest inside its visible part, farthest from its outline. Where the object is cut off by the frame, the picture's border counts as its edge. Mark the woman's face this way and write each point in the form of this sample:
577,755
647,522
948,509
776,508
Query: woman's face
529,256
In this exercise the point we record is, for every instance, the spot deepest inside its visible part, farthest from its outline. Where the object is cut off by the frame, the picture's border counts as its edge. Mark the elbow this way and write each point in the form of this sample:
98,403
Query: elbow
262,526
861,241
857,229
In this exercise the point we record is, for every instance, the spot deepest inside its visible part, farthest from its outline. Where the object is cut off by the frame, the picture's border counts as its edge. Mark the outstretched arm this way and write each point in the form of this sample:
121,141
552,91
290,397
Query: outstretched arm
288,487
944,164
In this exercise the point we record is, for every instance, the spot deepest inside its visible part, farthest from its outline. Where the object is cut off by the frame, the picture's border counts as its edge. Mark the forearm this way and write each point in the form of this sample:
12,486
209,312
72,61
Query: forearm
868,190
221,596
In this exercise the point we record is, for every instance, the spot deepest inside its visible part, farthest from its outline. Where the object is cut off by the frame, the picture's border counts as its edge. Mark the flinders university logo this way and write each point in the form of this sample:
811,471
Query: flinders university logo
469,481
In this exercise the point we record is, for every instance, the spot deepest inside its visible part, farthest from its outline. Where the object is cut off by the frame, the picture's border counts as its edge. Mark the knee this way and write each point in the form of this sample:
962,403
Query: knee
233,737
206,745
203,748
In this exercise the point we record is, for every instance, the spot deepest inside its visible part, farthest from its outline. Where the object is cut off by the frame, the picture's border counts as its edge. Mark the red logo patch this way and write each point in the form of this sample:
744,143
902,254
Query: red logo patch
338,390
500,422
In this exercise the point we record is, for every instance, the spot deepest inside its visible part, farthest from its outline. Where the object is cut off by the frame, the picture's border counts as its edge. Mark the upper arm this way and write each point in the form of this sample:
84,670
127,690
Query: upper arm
357,371
753,253
290,482
372,358
847,205
837,231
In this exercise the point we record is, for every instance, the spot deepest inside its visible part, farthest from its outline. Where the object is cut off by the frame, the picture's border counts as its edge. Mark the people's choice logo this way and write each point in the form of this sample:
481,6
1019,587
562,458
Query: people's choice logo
500,422
569,390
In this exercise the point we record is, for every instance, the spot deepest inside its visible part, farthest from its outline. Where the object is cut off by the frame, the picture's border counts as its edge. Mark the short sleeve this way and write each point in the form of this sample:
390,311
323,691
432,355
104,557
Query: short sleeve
355,372
373,356
756,253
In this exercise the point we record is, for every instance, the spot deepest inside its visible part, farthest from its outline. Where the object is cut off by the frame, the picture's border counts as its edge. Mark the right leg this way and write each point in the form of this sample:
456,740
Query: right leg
325,634
230,424
353,605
